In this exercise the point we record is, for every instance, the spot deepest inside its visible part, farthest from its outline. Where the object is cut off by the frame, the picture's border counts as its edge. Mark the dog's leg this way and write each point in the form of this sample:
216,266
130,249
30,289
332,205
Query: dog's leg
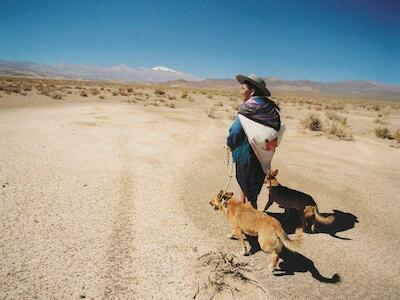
269,203
238,233
313,224
274,261
302,220
232,235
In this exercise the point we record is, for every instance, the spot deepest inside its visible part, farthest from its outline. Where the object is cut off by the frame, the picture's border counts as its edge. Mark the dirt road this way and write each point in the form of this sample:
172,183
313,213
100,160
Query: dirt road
111,201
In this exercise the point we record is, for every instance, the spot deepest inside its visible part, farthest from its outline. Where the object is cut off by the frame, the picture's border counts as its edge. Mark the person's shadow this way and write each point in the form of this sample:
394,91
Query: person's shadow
343,222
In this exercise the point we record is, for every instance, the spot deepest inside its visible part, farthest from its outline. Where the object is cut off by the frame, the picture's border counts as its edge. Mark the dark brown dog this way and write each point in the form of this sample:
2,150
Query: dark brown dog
289,198
244,219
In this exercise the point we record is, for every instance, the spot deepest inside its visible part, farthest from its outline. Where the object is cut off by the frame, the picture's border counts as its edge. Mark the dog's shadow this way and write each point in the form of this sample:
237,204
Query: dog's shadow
293,262
343,222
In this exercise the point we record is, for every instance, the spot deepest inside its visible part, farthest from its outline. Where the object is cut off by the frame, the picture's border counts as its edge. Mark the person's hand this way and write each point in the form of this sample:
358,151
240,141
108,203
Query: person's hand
271,145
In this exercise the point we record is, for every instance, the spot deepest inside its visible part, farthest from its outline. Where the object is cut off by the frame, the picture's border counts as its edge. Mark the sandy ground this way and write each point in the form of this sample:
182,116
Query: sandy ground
110,200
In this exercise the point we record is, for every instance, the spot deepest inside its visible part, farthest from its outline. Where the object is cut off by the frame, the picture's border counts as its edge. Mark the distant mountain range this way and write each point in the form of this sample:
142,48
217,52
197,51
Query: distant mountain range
170,77
351,87
90,72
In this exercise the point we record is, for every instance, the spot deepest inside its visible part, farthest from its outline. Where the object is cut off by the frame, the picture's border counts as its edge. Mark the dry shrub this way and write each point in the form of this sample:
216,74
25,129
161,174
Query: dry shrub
211,114
223,271
220,103
190,99
114,93
123,92
209,96
159,91
27,87
83,93
374,107
396,135
94,91
312,122
335,106
338,130
170,105
380,121
130,101
101,97
382,132
171,97
184,95
46,91
56,95
11,88
335,117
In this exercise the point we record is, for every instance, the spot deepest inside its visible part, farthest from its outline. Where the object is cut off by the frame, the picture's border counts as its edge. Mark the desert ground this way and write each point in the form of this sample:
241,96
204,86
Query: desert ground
105,191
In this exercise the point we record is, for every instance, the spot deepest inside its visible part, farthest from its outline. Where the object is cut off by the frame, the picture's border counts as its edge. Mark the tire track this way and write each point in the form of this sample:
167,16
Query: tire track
120,275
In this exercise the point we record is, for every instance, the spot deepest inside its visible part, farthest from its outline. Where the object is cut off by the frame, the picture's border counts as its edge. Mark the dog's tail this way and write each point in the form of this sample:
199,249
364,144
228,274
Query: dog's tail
293,244
323,220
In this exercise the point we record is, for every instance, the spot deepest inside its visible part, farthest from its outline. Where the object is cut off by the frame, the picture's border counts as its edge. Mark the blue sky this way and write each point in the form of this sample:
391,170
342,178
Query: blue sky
317,40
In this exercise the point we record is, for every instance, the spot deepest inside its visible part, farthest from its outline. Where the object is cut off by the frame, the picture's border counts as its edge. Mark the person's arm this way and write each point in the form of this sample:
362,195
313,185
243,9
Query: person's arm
236,135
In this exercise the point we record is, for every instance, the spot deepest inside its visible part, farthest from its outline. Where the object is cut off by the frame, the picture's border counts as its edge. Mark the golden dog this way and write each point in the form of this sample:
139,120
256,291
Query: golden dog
289,198
244,219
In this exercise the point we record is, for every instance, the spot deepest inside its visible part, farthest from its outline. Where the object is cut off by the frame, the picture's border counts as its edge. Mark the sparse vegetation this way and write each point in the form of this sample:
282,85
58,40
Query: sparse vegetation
56,95
159,91
223,271
337,129
83,93
382,132
94,91
335,117
312,122
170,105
396,135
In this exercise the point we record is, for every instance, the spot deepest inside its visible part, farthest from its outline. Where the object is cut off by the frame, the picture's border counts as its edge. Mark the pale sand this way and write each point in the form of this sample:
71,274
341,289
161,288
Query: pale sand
110,200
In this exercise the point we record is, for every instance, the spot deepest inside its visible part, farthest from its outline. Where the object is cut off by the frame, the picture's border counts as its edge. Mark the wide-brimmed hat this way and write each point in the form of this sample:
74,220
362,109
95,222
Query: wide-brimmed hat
255,81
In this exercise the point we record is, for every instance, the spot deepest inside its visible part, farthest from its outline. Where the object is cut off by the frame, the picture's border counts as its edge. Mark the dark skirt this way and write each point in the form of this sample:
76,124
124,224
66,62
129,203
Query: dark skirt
250,177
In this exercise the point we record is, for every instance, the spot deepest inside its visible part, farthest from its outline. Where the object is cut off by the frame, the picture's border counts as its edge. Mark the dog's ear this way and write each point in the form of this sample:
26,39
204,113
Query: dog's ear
228,194
221,192
274,172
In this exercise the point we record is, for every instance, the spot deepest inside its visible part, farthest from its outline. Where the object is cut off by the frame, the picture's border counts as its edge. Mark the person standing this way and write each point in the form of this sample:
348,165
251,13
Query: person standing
252,162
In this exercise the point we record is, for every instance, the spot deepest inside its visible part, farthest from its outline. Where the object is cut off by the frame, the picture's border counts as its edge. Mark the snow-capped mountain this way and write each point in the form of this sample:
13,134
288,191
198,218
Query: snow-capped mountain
91,72
161,68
